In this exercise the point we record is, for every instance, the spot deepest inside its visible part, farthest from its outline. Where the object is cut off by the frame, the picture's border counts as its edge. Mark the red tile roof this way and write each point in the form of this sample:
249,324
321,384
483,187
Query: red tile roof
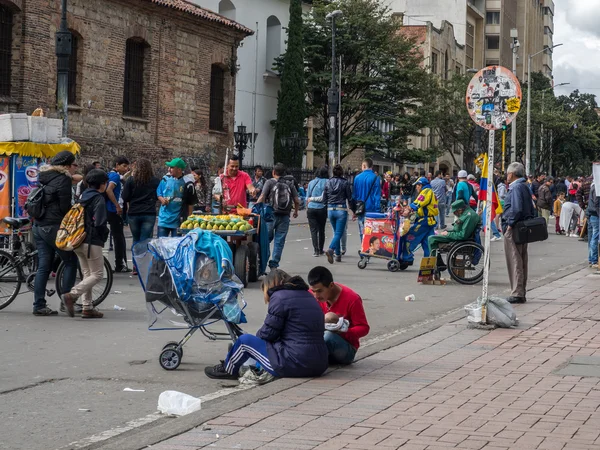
195,10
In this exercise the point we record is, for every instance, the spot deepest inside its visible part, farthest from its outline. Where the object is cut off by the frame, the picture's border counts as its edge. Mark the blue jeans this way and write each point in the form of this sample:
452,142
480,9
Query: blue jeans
338,220
361,227
142,227
340,351
441,215
248,346
278,230
165,232
593,241
45,238
448,203
495,231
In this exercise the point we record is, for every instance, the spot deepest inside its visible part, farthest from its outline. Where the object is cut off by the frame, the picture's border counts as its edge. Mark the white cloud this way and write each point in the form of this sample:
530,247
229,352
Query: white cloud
577,61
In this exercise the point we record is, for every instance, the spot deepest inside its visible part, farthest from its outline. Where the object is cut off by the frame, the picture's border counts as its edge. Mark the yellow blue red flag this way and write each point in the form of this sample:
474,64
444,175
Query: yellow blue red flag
482,162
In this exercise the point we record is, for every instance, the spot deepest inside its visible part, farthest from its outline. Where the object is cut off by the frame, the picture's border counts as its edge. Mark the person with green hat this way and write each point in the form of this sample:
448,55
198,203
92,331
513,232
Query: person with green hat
465,225
170,193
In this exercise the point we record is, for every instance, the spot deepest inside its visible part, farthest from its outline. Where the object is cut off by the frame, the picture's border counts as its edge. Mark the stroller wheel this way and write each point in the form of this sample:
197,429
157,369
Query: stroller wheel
173,345
393,265
169,359
362,264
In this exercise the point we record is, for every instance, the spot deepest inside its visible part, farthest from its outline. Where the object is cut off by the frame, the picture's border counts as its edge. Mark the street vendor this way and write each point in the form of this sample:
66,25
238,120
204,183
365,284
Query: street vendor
425,209
465,225
235,184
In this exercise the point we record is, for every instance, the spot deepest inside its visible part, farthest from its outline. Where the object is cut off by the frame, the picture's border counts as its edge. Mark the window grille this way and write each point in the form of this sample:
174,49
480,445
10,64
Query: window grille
6,23
217,98
72,90
133,95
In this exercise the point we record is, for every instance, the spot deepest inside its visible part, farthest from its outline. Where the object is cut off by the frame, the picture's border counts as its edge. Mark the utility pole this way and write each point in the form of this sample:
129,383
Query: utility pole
332,94
63,52
514,34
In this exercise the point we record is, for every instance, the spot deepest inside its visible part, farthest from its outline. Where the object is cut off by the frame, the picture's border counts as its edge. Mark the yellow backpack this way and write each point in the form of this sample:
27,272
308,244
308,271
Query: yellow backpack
71,233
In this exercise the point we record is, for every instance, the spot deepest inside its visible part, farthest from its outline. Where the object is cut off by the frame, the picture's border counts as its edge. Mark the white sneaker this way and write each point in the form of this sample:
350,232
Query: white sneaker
495,239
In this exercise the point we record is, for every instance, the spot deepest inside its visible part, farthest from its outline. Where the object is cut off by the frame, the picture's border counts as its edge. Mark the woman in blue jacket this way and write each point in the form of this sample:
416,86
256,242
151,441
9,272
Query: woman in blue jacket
290,343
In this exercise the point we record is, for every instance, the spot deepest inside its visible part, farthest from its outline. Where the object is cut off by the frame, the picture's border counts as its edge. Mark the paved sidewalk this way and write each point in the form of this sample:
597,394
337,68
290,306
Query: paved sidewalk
450,388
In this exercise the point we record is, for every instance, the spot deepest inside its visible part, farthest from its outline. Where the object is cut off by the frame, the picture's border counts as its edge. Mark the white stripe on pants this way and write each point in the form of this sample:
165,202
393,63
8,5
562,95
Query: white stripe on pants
93,272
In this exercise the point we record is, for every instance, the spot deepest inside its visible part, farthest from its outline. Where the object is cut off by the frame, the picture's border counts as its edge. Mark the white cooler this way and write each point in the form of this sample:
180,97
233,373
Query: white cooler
38,128
54,131
13,127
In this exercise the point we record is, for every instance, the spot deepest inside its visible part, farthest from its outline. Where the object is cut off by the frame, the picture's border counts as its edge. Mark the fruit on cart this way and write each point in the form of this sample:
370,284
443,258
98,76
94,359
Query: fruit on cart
220,222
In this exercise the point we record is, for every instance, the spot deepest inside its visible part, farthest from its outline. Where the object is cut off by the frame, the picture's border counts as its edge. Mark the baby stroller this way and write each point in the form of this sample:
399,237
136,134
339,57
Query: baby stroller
190,284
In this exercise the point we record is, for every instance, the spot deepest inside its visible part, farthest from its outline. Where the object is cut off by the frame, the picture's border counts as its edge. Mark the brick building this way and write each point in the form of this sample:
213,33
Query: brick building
147,77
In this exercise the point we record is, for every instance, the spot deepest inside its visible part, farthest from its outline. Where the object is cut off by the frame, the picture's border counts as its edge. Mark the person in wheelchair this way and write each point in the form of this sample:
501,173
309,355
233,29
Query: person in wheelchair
466,223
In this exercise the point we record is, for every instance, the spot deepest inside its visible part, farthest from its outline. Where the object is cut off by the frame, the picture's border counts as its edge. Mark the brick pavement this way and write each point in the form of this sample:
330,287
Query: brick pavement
451,388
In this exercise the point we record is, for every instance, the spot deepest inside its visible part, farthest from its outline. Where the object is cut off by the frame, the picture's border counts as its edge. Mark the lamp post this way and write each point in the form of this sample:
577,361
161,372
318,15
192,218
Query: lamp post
514,34
241,141
332,94
63,52
294,143
528,137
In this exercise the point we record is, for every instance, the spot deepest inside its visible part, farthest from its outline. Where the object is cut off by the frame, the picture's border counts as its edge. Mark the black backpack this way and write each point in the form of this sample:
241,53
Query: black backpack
281,196
35,205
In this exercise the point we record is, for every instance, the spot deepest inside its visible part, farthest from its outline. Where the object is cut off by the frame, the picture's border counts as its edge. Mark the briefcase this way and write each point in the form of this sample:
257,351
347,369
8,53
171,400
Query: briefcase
530,230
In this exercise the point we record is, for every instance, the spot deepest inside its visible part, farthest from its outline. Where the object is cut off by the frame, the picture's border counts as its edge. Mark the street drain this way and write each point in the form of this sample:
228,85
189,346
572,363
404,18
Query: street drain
580,366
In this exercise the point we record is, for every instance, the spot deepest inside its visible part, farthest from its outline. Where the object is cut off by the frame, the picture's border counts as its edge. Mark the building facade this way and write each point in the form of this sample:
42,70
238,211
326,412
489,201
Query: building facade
500,18
536,28
151,78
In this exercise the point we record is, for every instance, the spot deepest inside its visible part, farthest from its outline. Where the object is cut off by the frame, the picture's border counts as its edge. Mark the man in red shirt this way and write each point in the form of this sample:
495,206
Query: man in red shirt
343,301
235,183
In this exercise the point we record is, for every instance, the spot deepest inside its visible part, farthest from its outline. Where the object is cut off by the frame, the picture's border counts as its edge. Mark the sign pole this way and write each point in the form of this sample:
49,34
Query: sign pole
503,149
488,219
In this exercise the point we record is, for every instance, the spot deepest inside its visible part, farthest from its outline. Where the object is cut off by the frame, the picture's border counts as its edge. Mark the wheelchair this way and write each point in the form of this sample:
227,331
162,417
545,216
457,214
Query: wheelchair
463,259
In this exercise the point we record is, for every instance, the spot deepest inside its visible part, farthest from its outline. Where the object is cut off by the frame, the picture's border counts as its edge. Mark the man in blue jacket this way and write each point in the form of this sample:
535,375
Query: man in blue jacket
518,206
367,189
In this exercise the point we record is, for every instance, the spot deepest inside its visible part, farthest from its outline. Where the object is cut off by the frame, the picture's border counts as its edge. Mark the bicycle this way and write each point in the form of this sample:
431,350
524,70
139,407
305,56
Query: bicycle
19,265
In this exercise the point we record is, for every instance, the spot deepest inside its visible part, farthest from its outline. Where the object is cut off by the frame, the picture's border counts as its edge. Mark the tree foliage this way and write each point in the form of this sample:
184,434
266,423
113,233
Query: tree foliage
382,79
291,107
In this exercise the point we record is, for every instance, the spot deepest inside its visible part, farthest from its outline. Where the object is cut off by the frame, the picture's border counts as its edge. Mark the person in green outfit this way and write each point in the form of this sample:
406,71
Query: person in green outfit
465,225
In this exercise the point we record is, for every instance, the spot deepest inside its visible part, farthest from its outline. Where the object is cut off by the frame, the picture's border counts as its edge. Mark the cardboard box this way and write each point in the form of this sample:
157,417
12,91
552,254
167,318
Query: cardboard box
13,127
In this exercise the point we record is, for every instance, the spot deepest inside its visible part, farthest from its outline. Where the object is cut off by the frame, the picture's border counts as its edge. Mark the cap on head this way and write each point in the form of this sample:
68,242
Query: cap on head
471,177
177,162
462,174
458,204
64,158
421,181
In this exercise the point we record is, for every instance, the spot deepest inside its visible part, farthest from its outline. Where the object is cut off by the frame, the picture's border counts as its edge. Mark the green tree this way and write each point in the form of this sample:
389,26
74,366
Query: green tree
383,83
291,106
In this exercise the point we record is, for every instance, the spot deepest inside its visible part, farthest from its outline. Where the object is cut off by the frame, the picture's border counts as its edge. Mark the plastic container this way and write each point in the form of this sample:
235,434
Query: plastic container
54,131
13,127
38,129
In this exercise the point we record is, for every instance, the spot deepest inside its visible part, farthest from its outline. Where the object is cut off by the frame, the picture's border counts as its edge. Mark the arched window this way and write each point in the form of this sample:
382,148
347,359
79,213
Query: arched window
133,91
6,29
227,9
217,98
273,41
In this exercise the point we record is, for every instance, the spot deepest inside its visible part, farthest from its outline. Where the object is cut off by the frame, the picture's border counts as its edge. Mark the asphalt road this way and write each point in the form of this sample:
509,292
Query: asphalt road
62,379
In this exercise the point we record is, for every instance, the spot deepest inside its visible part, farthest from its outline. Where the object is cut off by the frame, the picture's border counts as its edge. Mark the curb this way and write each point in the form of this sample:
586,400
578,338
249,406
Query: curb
168,427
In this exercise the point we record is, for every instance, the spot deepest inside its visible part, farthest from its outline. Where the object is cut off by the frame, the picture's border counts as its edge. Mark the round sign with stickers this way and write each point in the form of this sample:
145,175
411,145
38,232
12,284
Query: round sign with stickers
493,97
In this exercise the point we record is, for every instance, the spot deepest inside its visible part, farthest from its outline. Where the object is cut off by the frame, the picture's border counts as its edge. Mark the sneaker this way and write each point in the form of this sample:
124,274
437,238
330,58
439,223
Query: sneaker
338,258
123,269
594,266
343,252
253,376
134,272
91,314
329,254
218,372
316,254
45,311
77,306
69,300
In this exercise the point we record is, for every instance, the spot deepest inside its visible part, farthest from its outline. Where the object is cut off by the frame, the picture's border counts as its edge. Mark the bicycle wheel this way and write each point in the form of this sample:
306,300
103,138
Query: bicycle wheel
10,279
99,292
466,262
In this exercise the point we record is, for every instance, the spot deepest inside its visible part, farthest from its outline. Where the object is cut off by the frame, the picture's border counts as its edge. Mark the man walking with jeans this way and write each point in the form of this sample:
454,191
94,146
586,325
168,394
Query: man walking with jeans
518,206
438,186
367,189
593,207
281,195
115,213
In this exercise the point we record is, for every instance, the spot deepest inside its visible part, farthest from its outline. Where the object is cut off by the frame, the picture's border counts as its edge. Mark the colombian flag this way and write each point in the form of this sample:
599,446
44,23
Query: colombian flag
482,163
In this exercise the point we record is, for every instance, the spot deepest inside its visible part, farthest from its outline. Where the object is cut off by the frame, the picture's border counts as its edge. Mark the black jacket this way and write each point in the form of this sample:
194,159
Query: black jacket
294,329
58,194
142,199
95,217
337,191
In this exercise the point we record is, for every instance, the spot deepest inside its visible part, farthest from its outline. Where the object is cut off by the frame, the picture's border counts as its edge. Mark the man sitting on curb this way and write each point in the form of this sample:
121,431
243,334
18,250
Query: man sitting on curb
343,301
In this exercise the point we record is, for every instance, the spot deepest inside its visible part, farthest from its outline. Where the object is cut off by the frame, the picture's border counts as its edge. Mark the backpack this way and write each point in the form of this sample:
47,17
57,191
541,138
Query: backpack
34,205
71,233
282,197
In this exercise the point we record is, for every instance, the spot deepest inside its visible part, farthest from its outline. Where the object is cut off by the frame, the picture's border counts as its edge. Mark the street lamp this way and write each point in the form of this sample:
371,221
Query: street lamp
294,144
528,136
63,52
332,94
241,140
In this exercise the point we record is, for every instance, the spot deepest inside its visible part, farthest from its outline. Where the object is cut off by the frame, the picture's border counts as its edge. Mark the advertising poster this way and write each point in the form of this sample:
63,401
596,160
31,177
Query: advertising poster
25,171
5,197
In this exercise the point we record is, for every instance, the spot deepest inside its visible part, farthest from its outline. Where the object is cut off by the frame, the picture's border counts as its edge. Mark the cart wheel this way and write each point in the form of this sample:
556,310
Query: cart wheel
253,258
169,359
393,265
173,345
362,263
404,265
240,264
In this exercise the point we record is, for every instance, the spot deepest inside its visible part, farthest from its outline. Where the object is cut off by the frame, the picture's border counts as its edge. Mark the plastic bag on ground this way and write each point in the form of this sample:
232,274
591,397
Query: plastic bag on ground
501,313
177,403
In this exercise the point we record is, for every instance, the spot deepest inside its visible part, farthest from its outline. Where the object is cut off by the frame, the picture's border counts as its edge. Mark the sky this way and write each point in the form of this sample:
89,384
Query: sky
577,61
